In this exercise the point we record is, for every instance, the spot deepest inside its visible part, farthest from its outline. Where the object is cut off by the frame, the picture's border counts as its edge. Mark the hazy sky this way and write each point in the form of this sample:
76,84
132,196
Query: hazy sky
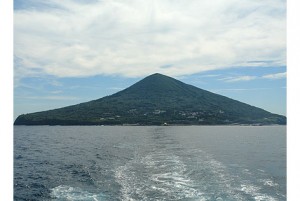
71,51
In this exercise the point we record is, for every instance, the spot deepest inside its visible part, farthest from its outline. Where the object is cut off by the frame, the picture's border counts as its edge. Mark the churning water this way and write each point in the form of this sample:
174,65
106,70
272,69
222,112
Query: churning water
150,163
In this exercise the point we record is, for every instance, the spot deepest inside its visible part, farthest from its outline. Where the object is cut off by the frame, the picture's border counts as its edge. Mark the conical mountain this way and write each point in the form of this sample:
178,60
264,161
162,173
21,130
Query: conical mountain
155,100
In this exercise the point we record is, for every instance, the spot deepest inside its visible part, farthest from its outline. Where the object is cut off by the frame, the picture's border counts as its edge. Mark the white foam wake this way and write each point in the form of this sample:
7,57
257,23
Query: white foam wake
63,193
161,176
157,176
254,192
218,183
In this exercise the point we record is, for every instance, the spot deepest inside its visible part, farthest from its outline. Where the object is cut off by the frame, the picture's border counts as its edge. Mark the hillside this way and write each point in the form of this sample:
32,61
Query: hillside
155,100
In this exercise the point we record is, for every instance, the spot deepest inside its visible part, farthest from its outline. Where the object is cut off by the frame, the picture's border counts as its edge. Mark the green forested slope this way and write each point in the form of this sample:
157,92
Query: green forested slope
155,100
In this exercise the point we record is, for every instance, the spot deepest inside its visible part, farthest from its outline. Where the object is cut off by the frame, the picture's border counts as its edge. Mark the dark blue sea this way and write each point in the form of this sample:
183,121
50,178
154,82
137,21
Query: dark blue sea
111,163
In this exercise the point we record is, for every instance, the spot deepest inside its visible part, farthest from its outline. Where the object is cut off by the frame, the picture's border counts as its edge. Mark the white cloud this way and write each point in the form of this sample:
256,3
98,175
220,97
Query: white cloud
239,78
239,89
50,97
116,88
136,38
248,77
56,92
211,75
275,76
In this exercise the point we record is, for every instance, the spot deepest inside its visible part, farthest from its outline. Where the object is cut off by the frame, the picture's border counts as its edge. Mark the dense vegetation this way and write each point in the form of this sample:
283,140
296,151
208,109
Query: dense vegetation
156,100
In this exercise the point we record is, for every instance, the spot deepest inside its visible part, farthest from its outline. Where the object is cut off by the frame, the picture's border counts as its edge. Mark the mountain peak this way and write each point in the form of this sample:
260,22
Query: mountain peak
154,85
157,76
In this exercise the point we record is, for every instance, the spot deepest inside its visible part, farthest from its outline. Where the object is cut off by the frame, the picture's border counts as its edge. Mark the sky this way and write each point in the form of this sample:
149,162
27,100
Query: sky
72,51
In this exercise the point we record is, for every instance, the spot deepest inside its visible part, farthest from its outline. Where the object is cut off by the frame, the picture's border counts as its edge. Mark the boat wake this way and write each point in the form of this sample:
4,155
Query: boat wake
64,193
157,176
162,176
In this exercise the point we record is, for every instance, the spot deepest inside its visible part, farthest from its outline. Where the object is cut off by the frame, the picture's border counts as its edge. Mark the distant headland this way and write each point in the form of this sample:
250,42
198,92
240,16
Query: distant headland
156,100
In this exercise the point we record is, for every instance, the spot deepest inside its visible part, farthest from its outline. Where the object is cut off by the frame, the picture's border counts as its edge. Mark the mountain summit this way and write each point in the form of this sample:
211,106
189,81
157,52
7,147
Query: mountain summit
156,100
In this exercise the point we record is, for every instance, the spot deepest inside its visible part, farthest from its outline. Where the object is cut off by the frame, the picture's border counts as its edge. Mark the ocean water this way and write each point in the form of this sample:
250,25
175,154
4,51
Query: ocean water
203,163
